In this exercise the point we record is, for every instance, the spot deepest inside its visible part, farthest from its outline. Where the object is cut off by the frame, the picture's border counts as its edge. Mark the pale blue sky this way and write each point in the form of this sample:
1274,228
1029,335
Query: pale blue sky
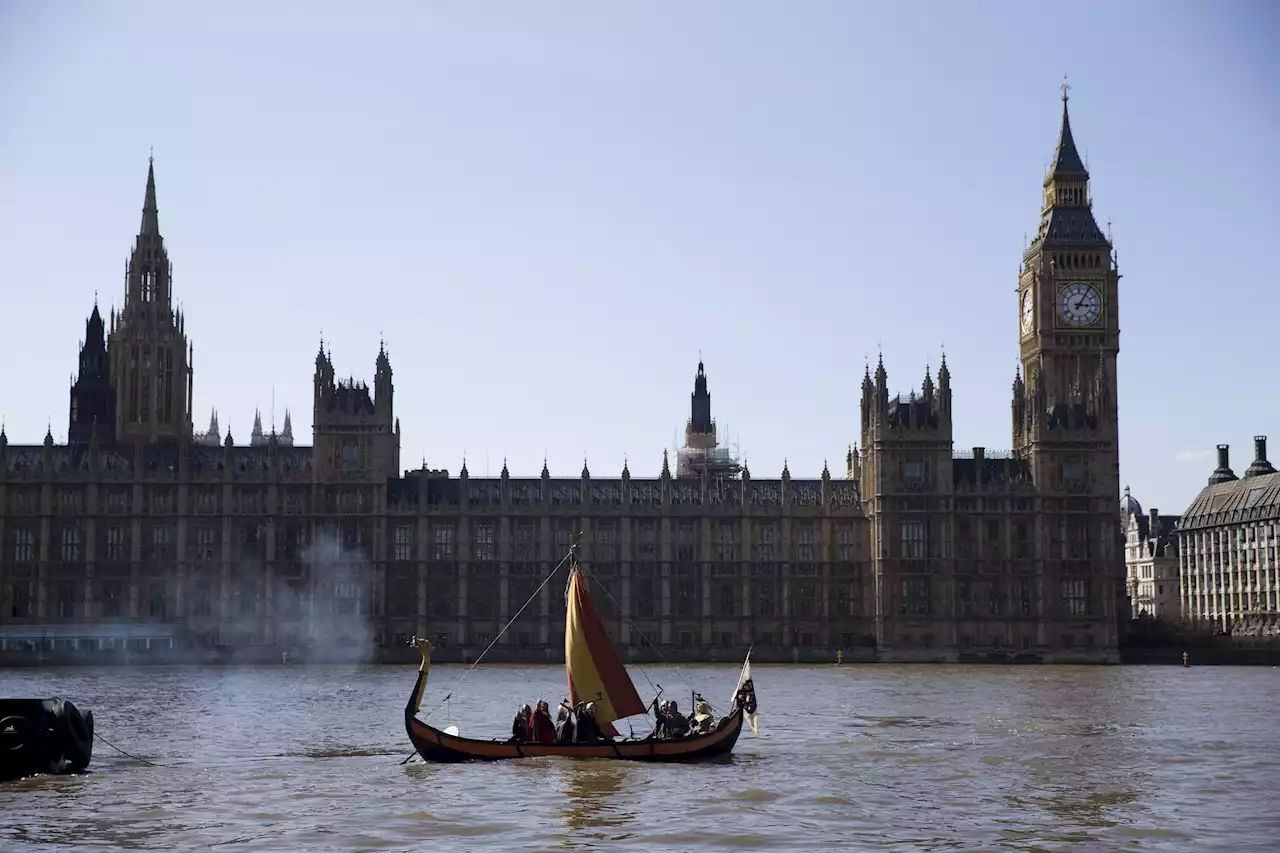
550,208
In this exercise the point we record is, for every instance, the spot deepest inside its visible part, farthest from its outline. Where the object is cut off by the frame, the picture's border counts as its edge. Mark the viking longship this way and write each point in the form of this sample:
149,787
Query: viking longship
596,674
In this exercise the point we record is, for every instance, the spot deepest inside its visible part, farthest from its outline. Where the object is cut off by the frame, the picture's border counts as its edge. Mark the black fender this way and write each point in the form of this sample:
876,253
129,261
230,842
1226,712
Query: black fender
74,732
15,733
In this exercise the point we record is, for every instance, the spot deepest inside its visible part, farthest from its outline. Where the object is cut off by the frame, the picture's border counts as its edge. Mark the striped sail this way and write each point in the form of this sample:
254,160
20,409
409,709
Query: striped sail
596,673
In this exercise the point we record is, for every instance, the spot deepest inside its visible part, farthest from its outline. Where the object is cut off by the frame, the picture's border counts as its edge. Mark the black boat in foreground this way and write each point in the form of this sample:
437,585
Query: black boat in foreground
43,736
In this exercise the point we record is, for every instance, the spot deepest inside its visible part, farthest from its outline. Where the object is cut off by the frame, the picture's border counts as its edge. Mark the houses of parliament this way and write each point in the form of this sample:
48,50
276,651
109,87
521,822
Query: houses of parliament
140,539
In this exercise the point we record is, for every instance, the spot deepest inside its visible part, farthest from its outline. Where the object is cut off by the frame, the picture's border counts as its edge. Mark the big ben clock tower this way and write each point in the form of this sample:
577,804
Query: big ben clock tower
1064,407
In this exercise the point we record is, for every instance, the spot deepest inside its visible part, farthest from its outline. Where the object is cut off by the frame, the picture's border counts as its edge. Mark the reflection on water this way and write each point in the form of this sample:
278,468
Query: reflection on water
593,799
910,758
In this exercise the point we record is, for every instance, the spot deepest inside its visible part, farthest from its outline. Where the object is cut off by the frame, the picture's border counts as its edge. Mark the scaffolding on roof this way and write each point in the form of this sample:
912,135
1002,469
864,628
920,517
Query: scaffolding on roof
711,462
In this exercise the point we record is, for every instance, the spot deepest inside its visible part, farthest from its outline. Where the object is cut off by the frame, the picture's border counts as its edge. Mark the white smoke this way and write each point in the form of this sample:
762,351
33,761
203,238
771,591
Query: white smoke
339,619
323,615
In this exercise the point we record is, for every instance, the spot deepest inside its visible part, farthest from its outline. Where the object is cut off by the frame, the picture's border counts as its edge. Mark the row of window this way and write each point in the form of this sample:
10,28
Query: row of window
203,542
1070,541
917,598
67,600
727,598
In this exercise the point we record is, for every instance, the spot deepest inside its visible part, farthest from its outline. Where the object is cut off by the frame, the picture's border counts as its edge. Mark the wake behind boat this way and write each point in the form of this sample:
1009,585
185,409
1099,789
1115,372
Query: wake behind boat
601,692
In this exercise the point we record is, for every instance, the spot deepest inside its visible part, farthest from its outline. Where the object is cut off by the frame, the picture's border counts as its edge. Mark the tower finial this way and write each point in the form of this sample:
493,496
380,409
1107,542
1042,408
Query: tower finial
1066,87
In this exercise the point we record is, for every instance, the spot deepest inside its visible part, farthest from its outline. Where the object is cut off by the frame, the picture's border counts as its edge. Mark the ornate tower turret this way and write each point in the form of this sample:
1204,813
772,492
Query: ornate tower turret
1065,424
382,385
701,454
93,399
148,349
355,432
1068,320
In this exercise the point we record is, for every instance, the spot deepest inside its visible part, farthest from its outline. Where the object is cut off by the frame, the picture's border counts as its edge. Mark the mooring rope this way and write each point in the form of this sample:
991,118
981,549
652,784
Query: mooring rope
129,755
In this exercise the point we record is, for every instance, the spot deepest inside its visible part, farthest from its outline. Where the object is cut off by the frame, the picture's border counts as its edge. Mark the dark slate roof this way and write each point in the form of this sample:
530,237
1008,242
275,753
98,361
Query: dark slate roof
1066,159
1247,499
911,411
988,473
351,398
1166,535
1071,225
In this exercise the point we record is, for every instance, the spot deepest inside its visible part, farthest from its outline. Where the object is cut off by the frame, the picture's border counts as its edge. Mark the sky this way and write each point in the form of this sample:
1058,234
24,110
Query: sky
549,211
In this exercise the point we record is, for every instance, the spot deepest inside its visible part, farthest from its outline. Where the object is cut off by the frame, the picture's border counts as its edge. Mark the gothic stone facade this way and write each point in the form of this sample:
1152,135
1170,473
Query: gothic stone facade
136,533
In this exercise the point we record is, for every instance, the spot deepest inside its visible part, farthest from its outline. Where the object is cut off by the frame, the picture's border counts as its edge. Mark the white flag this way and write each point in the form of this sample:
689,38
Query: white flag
743,678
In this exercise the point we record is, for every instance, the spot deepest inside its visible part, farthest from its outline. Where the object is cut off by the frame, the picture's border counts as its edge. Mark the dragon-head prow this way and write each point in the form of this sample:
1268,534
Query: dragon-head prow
423,645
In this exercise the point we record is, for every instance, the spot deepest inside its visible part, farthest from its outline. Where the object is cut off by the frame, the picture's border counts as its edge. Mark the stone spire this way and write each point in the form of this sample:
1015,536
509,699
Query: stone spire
1066,159
150,215
700,414
286,437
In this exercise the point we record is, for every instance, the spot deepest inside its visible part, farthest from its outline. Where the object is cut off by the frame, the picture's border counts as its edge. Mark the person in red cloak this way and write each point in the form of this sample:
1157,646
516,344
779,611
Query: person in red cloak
542,729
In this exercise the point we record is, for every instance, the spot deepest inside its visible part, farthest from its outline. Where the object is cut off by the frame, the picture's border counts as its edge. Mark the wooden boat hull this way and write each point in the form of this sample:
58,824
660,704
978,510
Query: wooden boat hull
437,746
43,736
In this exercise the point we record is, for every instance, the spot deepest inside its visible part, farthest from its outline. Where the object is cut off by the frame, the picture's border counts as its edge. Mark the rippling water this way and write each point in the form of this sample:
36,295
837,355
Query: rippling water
876,757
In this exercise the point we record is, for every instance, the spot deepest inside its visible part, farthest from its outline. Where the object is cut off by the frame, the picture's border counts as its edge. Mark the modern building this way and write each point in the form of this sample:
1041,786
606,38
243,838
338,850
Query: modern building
1230,578
1151,561
139,532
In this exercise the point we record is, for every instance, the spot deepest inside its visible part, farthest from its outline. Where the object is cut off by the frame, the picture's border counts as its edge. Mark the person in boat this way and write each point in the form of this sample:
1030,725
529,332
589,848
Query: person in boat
701,719
671,723
677,725
564,725
588,730
520,725
660,720
541,728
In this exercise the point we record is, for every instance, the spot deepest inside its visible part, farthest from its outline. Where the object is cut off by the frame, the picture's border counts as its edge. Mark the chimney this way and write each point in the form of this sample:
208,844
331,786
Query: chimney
1223,473
979,452
1260,464
1154,519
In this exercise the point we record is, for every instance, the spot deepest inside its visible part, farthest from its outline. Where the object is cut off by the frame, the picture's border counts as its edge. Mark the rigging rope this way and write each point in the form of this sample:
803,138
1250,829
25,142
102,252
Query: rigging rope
651,643
498,636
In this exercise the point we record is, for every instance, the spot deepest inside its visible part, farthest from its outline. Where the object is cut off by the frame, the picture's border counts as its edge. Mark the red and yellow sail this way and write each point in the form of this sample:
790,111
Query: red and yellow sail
596,673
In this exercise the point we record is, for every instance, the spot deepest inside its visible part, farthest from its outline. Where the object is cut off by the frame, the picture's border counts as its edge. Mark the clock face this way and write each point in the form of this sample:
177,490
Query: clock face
1028,312
1079,304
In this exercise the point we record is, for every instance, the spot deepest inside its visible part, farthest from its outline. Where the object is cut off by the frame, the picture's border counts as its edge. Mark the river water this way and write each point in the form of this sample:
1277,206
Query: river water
874,757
